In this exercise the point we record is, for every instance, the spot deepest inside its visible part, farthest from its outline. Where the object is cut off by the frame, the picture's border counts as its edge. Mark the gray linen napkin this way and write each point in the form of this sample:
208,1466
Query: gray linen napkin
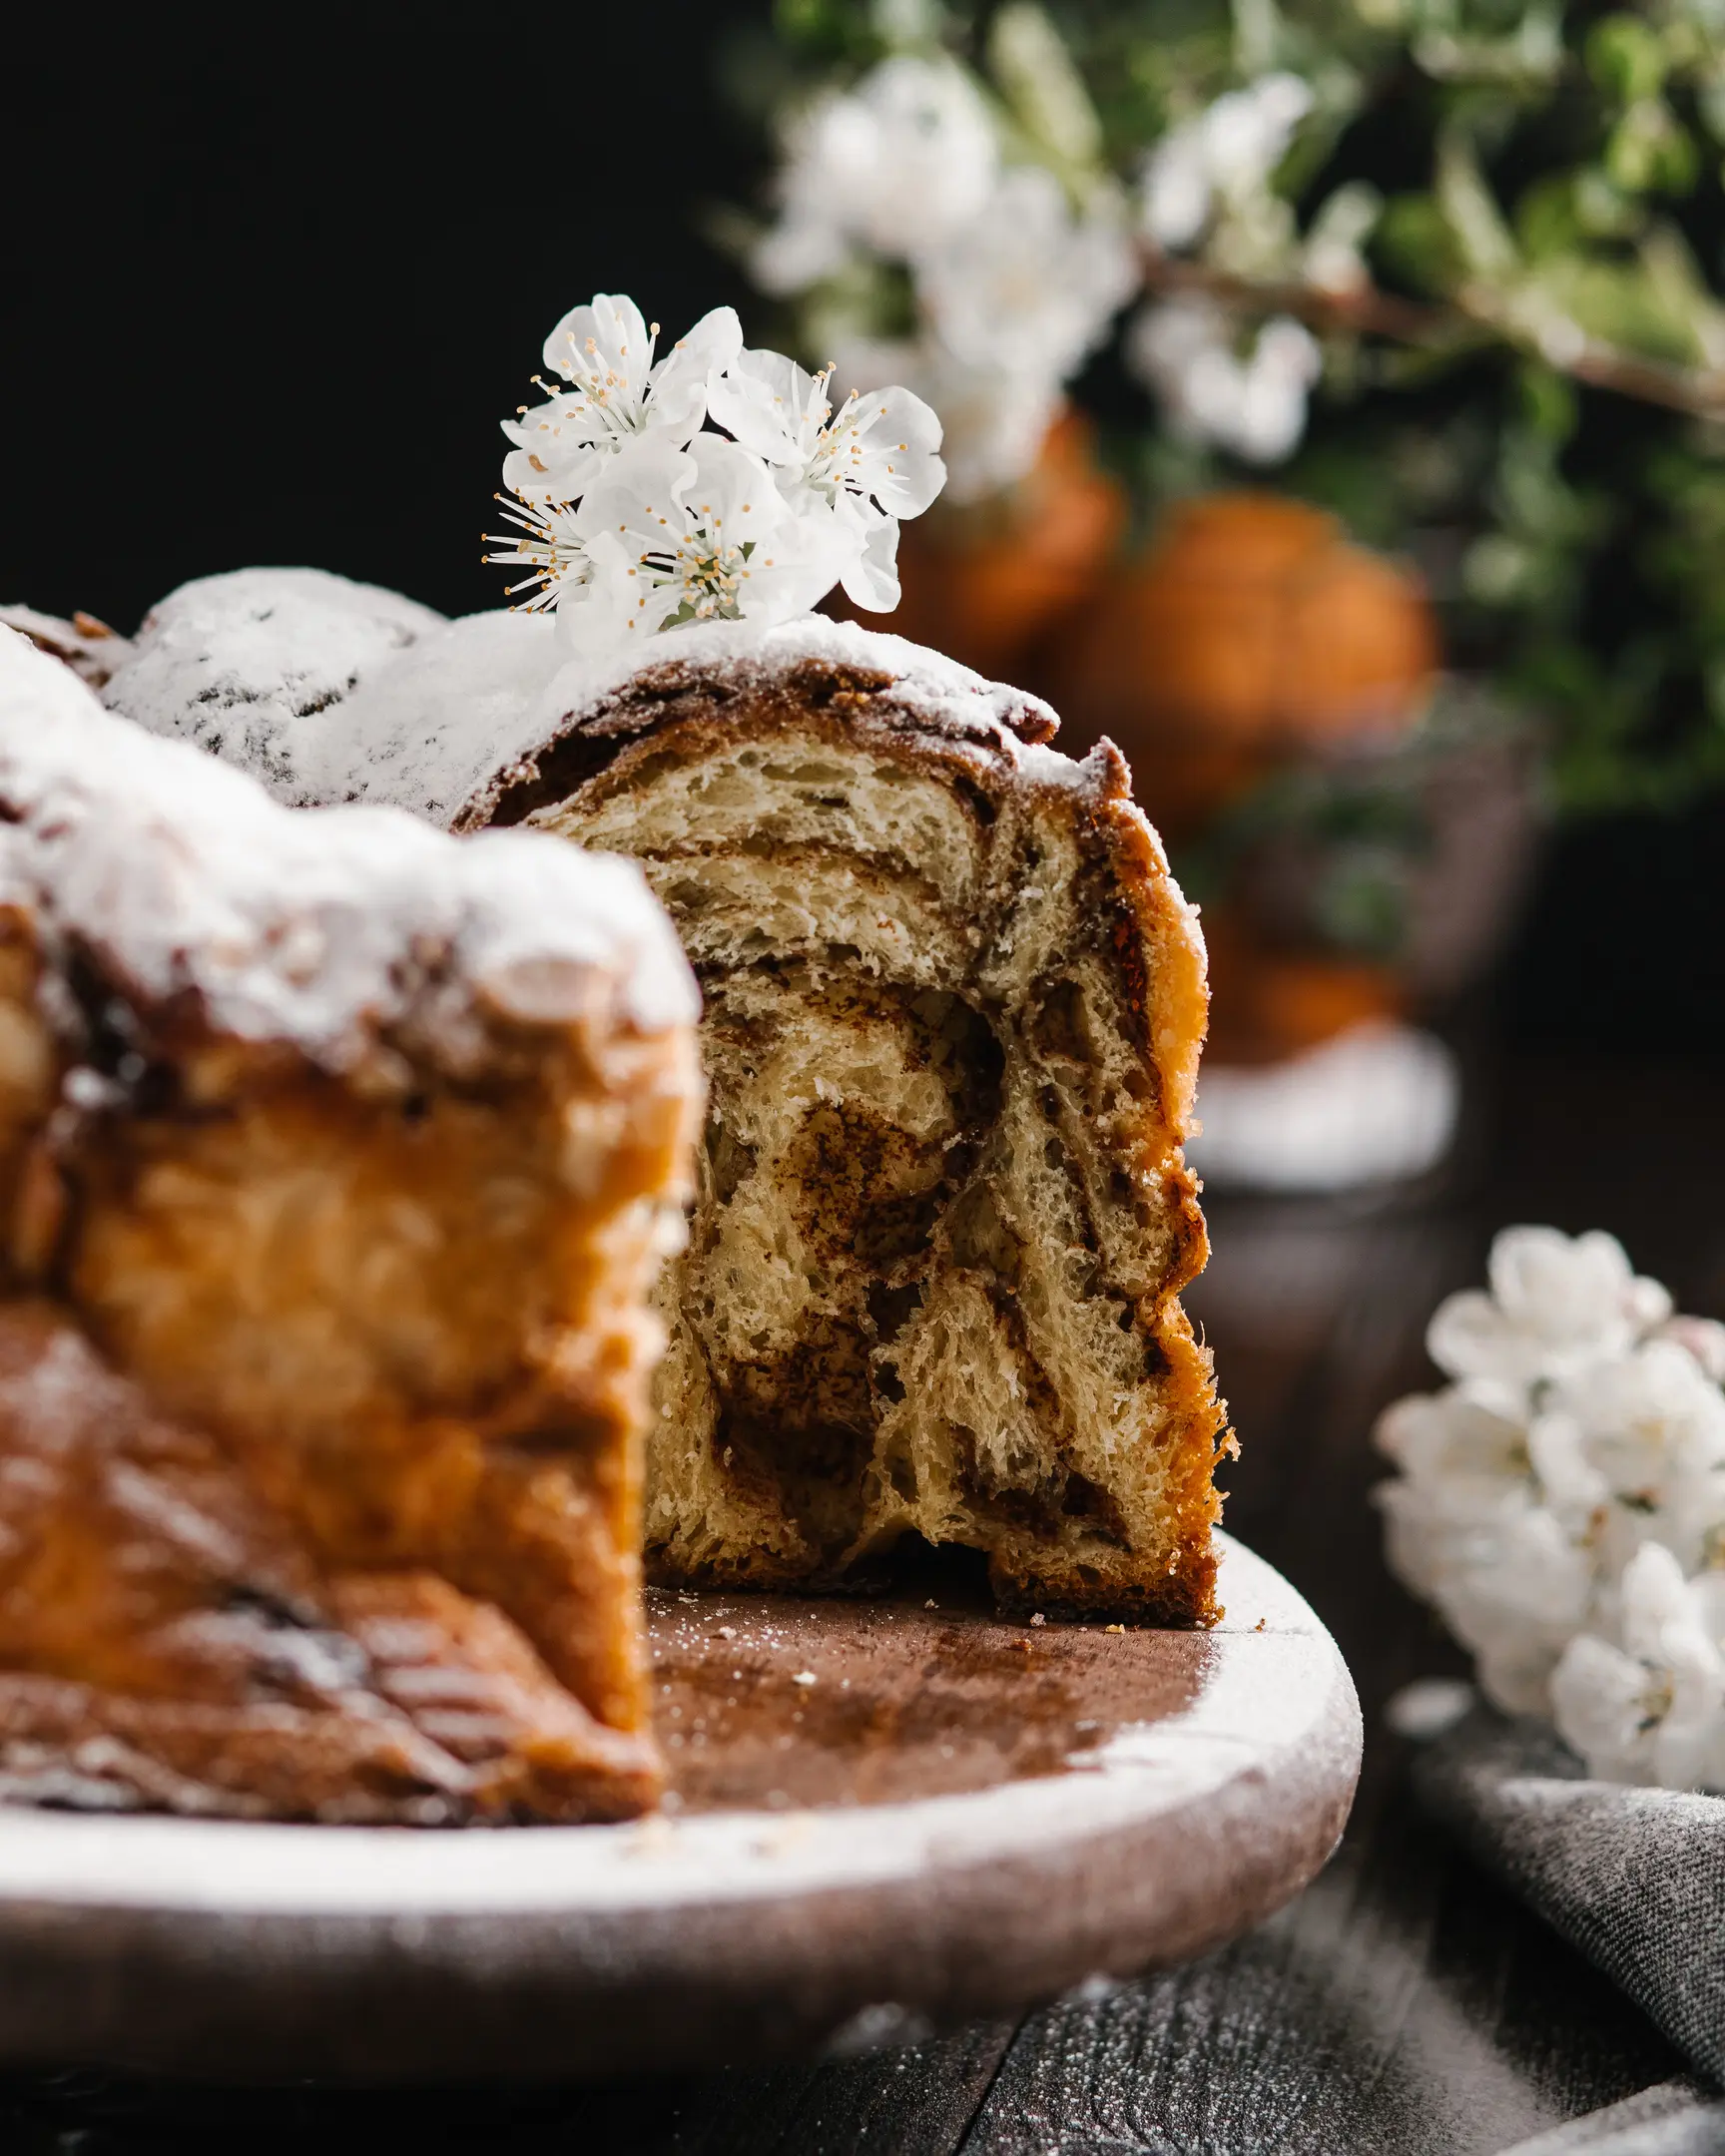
1677,2118
1633,1878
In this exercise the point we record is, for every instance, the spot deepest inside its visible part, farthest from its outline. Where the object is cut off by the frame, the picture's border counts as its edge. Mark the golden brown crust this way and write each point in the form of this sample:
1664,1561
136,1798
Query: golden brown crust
388,1325
323,1354
167,1638
408,1364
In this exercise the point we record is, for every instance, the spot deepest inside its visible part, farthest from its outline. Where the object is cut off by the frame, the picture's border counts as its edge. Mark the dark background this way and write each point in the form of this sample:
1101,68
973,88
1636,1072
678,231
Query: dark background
270,291
267,291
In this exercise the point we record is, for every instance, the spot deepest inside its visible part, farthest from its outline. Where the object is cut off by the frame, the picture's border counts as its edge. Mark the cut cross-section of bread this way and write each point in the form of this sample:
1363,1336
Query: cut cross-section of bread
953,1006
336,1159
953,1011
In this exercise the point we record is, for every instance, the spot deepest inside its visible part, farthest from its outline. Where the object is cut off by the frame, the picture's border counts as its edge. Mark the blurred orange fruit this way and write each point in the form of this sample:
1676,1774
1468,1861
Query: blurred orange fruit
1251,630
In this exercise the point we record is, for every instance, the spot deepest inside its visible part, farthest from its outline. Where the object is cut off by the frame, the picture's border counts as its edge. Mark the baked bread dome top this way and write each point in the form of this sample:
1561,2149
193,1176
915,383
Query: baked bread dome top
320,930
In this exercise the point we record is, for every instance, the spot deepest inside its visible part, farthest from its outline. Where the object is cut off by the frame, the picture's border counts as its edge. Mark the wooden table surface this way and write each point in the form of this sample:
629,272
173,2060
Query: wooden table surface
1403,2003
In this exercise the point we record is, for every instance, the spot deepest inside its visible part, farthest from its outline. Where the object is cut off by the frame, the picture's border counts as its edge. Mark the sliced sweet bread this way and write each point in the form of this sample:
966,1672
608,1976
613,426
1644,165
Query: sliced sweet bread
955,1005
337,1159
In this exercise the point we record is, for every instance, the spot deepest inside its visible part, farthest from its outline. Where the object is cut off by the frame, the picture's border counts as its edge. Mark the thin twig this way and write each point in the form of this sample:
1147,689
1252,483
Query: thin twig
1366,311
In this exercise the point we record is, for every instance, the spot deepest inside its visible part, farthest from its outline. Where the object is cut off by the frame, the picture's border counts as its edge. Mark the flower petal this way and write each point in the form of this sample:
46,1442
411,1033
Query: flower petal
1599,1700
871,580
1469,1336
607,335
679,387
769,403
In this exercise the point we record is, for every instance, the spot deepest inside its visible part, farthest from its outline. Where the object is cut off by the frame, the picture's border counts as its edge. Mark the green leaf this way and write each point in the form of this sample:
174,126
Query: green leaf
1655,304
1626,58
1676,284
801,19
1710,100
1258,36
1417,242
1602,210
1650,151
1549,402
832,31
1470,210
1524,62
1342,225
1606,301
1043,89
1548,217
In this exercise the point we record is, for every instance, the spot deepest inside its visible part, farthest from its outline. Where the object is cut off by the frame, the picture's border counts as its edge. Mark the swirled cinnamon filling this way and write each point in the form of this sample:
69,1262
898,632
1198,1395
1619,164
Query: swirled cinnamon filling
941,1223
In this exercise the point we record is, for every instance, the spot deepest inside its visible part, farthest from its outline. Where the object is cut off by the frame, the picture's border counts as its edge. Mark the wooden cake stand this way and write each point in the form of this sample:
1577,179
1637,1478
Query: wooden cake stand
884,1816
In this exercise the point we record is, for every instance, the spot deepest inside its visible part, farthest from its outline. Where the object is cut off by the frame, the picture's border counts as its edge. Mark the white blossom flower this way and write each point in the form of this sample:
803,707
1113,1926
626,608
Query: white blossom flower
1014,287
549,543
1175,189
702,534
1517,1595
994,418
1703,1338
1467,1530
1643,1438
1461,1450
632,517
1555,1307
1332,255
1651,1708
620,394
1252,404
895,163
1563,1503
1219,157
1028,274
872,462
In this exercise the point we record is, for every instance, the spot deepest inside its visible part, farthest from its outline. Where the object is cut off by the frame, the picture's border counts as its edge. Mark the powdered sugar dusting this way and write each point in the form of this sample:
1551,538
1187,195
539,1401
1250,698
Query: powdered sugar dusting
252,665
459,758
333,692
316,929
432,728
1095,775
922,677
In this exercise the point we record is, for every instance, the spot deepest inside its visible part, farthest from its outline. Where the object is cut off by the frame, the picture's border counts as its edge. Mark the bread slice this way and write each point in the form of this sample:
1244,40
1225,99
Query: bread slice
337,1158
955,1005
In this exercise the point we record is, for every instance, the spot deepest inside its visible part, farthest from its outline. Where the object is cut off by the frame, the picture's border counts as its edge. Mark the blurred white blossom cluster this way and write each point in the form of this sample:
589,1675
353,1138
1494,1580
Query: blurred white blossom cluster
1017,267
633,515
1206,186
1562,1502
1016,277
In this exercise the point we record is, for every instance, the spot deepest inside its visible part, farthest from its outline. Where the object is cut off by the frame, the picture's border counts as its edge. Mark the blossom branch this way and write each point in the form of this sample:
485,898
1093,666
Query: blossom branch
1471,318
